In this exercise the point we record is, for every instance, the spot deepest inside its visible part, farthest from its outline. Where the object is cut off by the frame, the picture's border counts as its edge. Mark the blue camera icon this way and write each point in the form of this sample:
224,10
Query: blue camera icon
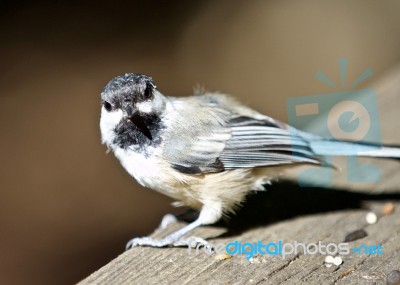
344,116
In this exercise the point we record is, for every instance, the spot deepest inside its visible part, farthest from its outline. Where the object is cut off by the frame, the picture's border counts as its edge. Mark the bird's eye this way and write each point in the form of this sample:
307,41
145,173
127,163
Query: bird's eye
107,106
148,93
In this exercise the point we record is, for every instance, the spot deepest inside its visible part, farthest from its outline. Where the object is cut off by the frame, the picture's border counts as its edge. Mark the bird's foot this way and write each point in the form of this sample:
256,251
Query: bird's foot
192,242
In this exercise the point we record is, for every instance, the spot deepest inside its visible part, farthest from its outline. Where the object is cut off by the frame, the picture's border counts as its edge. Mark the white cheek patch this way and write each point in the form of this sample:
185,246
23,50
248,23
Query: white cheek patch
108,122
145,107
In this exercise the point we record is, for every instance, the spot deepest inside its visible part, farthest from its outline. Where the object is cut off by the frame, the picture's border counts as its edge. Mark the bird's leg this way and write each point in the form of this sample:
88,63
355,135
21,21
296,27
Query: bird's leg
189,215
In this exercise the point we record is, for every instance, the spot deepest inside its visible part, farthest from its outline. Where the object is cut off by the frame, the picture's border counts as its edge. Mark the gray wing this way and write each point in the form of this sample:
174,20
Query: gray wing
260,143
243,142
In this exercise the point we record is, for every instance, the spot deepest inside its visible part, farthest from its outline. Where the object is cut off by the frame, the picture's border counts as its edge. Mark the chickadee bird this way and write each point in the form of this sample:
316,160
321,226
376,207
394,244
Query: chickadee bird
206,151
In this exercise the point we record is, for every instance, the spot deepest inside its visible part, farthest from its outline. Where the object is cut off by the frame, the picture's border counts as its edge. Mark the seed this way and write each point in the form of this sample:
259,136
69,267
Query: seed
329,259
338,260
388,209
371,218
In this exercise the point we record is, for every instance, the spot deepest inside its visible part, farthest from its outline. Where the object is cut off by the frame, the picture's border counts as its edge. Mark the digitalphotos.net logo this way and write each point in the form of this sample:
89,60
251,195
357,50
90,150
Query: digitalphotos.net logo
282,249
349,114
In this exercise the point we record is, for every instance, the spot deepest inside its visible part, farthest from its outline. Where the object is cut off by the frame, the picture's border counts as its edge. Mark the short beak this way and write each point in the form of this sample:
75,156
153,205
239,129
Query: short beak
131,114
129,111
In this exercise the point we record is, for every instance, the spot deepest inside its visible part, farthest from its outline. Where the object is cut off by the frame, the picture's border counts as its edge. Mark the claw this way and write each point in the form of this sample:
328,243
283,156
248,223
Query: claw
146,241
195,242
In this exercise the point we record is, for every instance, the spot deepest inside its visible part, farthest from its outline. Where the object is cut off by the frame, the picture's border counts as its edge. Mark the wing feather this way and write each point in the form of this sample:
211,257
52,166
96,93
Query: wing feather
257,143
233,141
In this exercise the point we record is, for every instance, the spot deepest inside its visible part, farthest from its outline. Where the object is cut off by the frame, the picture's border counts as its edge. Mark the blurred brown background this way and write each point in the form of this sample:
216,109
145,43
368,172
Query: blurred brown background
66,208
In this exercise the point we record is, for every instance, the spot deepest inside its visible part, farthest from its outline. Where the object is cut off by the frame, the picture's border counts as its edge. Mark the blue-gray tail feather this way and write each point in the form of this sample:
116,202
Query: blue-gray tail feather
342,148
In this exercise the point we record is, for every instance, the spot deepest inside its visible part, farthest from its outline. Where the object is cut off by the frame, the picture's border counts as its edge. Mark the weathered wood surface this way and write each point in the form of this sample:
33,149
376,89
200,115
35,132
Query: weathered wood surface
289,213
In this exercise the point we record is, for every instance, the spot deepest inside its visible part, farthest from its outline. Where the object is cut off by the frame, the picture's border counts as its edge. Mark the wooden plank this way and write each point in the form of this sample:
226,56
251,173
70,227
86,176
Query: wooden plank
177,266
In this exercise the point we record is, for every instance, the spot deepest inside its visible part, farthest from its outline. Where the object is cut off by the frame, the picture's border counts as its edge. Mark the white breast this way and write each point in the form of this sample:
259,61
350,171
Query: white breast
137,165
148,171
